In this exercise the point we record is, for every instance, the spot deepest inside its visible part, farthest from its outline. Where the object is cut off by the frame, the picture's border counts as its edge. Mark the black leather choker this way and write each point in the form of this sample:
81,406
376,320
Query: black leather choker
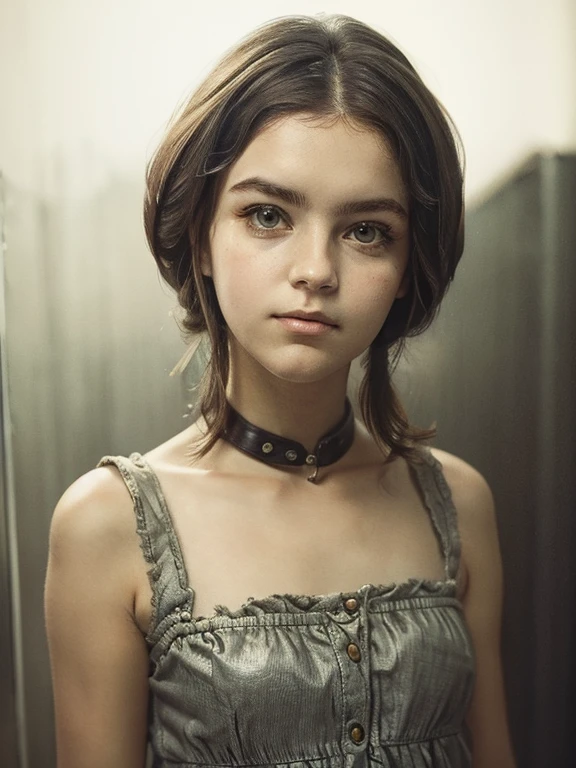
273,449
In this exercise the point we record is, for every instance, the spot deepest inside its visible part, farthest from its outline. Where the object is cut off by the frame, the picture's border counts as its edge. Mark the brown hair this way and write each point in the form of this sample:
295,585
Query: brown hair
328,66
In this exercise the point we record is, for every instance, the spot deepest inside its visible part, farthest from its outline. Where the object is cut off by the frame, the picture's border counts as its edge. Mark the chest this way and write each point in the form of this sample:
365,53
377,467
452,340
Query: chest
241,540
387,680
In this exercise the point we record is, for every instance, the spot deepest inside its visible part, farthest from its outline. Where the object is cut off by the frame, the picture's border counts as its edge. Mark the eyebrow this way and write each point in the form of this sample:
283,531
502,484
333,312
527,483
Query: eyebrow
293,197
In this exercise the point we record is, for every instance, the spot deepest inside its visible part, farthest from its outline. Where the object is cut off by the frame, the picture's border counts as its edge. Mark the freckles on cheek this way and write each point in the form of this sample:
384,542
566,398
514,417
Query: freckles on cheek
371,292
225,261
234,283
374,299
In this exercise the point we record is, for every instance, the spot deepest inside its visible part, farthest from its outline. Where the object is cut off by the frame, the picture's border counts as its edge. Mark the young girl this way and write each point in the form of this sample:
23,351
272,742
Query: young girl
306,206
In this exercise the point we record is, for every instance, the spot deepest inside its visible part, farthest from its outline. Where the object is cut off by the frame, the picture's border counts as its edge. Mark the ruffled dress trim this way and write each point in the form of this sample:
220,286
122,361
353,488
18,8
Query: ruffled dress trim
333,602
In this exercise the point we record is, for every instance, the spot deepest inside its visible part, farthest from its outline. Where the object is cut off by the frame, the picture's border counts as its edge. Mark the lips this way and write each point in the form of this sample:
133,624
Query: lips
318,317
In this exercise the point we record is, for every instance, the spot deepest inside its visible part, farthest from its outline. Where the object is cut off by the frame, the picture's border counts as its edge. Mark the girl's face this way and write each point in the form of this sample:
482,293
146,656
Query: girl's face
311,218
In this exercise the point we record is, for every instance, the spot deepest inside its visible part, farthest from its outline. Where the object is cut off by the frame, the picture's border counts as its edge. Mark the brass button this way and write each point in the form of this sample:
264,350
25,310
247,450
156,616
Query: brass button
291,455
267,448
354,652
351,604
357,733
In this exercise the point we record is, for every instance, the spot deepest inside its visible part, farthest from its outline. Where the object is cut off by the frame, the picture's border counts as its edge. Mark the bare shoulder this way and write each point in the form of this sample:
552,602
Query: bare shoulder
94,519
470,491
95,501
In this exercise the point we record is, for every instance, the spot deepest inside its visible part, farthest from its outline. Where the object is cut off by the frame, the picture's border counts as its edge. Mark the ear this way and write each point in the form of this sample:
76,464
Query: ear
404,285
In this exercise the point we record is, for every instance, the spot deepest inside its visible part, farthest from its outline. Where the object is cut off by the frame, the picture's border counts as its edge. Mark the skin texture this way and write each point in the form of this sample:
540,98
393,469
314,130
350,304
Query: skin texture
310,256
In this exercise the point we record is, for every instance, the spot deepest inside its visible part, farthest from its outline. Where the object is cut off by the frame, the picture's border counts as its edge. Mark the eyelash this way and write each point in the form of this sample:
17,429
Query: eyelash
384,230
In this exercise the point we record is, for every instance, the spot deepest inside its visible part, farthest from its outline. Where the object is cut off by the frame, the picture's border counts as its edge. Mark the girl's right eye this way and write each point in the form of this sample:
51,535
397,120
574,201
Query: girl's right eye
263,217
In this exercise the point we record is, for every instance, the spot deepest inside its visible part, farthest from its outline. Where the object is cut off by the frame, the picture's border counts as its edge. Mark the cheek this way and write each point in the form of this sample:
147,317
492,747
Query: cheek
233,294
238,281
374,295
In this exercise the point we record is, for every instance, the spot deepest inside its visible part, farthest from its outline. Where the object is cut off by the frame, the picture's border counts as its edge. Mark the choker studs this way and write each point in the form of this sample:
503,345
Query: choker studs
276,450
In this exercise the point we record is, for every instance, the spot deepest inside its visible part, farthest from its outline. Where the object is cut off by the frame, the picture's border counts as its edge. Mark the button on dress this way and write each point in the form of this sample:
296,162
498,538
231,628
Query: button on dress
380,676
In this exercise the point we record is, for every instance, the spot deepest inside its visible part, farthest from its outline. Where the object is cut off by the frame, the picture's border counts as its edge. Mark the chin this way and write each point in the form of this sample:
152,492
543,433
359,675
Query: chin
305,368
298,363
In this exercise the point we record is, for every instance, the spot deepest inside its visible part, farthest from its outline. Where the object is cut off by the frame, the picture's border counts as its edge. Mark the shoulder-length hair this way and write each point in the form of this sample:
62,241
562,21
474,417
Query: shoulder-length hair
328,66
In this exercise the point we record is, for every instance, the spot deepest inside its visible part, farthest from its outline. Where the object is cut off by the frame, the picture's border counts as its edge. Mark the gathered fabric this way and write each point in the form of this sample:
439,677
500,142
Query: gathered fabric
380,676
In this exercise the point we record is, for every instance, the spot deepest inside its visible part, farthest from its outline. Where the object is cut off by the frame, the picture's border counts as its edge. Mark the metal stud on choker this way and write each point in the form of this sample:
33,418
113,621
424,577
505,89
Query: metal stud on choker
274,449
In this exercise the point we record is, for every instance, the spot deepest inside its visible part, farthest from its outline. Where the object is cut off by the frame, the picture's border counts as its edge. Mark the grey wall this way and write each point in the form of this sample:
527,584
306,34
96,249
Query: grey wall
8,587
89,346
498,373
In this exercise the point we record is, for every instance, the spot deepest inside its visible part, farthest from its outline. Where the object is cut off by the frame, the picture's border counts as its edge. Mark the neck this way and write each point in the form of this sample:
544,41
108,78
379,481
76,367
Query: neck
300,412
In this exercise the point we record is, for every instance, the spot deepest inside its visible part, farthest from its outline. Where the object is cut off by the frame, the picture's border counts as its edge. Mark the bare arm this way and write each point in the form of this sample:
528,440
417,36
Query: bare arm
487,717
98,656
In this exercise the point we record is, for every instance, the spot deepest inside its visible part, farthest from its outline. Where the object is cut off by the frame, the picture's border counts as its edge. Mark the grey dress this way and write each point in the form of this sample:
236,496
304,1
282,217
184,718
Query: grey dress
382,676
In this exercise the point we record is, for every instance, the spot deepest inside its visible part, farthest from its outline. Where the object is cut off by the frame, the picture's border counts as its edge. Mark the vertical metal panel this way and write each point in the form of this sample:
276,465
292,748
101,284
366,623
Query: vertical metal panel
12,730
555,565
497,372
90,344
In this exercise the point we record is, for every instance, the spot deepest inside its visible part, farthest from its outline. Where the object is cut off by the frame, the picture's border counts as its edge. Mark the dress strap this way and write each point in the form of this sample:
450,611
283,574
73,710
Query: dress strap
158,540
437,498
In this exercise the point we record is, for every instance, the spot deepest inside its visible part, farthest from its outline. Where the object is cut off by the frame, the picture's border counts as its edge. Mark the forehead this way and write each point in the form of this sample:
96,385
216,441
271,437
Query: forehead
329,159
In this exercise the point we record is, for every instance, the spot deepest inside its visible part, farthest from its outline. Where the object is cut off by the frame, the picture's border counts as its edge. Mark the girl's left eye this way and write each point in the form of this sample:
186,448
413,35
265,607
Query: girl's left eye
371,234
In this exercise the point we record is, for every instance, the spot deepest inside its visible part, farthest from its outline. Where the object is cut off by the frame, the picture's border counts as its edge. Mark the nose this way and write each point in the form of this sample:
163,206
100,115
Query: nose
313,266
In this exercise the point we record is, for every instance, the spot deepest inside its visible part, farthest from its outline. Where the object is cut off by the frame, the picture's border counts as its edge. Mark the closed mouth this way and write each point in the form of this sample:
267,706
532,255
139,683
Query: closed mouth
315,317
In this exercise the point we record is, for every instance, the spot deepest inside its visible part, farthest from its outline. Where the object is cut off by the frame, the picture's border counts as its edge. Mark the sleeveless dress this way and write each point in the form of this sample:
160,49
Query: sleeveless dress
380,676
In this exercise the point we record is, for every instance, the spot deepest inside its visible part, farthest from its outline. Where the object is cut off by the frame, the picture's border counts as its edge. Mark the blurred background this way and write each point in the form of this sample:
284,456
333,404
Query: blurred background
88,336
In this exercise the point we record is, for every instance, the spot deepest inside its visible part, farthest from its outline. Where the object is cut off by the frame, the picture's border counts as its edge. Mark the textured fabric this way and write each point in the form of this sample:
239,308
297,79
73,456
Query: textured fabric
273,683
